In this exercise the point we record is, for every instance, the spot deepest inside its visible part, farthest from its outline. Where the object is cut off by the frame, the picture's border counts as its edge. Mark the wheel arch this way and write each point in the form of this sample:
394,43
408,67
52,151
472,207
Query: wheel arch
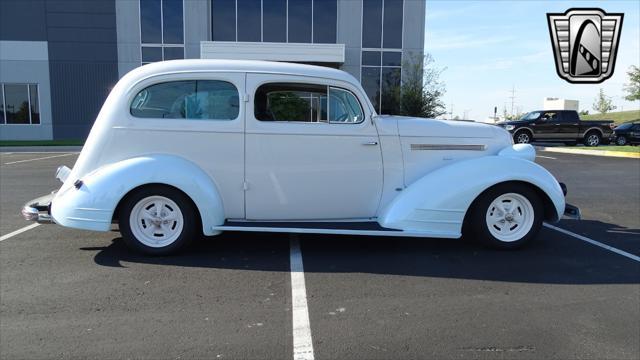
592,129
118,208
550,213
439,201
94,204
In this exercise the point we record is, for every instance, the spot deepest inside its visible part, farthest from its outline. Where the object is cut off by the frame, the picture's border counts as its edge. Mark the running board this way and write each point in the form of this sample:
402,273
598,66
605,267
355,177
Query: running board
333,228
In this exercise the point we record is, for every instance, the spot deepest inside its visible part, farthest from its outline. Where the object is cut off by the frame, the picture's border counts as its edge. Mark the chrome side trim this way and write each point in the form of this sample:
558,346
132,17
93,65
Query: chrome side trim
415,147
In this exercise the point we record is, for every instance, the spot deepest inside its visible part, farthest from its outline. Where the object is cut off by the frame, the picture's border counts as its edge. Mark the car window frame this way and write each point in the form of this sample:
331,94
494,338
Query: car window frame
145,83
328,87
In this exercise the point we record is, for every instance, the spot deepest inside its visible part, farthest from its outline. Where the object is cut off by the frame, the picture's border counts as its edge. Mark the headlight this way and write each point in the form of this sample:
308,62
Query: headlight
509,127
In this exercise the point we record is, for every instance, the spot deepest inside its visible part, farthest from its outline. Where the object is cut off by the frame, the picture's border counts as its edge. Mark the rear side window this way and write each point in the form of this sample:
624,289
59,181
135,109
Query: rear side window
189,99
306,103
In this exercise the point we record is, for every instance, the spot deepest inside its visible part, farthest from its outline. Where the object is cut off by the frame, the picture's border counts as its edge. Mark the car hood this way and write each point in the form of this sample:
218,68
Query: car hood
428,144
412,126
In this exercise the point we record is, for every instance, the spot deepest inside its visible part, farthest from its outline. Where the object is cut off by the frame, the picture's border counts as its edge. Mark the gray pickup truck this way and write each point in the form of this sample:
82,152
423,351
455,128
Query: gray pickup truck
559,126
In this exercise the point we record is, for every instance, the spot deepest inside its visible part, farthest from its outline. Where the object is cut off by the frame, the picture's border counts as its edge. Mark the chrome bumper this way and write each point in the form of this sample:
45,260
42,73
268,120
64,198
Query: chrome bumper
39,210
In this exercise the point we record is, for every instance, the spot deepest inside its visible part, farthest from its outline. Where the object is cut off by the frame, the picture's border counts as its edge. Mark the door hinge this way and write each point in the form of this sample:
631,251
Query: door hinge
245,186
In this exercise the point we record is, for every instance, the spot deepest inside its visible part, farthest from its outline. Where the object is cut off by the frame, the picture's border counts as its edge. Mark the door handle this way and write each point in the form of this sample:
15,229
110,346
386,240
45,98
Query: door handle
373,143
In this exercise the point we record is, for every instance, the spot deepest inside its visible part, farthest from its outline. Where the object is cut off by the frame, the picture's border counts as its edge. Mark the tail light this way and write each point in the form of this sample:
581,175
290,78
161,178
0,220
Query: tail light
612,126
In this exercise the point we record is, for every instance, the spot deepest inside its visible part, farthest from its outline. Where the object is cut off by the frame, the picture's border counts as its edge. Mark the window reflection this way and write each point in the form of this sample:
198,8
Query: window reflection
249,20
274,13
223,20
325,19
19,104
299,21
161,24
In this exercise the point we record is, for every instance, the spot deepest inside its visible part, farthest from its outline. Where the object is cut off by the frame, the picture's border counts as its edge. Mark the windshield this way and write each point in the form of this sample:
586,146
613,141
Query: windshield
534,115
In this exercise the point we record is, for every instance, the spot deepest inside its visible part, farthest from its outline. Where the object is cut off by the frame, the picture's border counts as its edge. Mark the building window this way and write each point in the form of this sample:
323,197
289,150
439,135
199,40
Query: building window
293,21
381,78
161,30
382,53
189,99
19,104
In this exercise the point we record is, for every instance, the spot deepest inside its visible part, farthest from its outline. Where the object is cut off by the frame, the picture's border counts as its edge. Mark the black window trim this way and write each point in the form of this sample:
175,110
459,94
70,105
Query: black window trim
328,86
149,82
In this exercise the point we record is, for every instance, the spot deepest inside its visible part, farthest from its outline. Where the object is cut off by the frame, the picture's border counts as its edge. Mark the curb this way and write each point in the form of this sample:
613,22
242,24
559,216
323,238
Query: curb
609,153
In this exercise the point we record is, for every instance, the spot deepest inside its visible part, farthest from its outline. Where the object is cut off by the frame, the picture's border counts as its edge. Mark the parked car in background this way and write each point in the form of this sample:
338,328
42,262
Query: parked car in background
627,133
188,147
559,126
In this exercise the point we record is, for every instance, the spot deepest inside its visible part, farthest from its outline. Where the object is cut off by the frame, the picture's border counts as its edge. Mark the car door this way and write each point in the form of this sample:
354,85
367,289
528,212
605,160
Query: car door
309,158
634,133
545,127
196,116
567,126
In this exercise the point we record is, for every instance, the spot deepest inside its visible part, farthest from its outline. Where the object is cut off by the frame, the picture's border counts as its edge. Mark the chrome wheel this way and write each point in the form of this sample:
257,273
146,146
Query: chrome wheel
510,217
156,221
523,138
593,140
621,140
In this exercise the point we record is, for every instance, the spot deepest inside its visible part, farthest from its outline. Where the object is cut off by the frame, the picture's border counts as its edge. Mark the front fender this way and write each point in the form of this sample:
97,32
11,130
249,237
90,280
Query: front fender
438,202
92,206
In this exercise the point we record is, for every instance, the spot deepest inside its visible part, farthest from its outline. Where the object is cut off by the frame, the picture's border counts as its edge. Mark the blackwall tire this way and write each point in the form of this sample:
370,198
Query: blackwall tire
506,216
522,137
158,220
621,141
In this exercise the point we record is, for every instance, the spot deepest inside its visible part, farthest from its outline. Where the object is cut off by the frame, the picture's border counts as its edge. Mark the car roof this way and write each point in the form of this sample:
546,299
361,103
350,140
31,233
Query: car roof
249,66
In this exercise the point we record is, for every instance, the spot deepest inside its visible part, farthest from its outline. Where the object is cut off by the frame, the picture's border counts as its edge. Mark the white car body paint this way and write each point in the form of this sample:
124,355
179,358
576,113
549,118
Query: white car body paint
415,175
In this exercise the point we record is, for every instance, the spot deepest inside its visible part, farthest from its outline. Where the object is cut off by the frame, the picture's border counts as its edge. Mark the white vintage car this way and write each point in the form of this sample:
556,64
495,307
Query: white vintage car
189,147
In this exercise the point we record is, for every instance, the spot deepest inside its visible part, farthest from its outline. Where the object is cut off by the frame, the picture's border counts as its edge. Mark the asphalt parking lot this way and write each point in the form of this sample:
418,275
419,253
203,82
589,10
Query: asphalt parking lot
74,294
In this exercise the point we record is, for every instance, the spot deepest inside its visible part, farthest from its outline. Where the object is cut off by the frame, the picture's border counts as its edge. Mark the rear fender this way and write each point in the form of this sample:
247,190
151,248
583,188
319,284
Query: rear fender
92,205
438,202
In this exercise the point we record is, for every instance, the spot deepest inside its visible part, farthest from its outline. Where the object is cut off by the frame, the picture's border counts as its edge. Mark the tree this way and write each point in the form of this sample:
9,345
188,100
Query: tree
633,87
603,103
421,91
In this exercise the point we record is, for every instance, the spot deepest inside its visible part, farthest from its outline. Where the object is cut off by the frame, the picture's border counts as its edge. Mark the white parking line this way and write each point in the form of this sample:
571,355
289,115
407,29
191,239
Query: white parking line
42,158
593,242
302,343
19,231
546,157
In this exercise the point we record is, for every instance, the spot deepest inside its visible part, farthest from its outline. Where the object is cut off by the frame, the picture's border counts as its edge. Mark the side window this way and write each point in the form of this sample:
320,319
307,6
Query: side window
306,103
636,127
291,102
550,117
189,99
344,107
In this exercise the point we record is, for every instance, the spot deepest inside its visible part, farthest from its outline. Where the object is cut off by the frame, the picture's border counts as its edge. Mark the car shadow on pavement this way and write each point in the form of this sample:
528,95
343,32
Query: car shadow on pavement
627,239
553,258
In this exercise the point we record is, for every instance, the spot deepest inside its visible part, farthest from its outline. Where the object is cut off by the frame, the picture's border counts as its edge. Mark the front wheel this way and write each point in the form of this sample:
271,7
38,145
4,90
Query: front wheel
522,137
506,216
157,220
621,141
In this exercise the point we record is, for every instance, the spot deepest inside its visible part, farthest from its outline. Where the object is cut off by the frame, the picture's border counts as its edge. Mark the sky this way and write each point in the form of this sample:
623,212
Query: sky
487,48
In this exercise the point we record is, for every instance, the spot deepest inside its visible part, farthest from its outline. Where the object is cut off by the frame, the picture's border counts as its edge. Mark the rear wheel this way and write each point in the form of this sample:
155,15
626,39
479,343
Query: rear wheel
522,137
157,220
592,139
506,216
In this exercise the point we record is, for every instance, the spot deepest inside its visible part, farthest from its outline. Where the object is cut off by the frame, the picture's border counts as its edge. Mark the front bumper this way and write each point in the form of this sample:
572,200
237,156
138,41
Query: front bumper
39,210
